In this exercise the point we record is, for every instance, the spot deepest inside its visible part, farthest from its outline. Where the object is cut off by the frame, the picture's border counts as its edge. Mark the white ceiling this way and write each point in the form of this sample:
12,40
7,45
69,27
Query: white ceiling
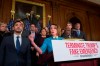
95,1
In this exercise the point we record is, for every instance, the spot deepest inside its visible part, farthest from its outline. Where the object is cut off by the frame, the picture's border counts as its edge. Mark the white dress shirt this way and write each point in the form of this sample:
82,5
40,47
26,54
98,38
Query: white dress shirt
20,39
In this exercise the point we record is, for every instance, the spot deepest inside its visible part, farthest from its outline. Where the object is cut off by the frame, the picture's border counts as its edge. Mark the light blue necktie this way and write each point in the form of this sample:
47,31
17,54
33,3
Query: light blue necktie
78,33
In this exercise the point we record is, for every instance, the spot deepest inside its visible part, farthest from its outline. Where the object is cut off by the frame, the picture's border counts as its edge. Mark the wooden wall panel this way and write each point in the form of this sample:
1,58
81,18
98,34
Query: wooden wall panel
1,2
62,15
61,11
55,13
5,10
48,8
94,26
97,28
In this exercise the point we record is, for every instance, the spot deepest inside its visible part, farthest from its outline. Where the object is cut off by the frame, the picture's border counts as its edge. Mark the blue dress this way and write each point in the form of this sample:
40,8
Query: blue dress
47,44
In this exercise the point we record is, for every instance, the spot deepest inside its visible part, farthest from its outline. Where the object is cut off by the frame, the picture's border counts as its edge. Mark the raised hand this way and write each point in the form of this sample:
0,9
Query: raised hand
31,37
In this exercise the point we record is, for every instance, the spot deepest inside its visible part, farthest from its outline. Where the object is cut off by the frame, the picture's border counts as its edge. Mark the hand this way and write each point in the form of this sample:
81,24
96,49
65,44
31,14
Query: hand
37,54
32,48
31,37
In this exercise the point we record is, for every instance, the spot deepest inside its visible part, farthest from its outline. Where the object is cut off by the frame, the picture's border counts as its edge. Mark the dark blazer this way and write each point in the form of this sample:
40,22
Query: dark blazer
25,33
72,35
2,35
34,58
81,36
9,55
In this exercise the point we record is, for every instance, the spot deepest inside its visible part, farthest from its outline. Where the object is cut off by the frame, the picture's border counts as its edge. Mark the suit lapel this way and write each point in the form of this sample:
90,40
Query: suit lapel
22,44
12,43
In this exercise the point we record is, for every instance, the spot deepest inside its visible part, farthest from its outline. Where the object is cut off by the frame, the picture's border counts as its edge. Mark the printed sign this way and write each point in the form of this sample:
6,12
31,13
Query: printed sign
75,50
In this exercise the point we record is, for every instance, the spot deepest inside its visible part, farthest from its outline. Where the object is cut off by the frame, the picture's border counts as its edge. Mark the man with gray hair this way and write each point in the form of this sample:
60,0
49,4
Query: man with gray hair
3,31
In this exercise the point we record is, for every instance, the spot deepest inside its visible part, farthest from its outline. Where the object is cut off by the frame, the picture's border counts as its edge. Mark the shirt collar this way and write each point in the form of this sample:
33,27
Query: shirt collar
32,31
78,30
55,37
17,35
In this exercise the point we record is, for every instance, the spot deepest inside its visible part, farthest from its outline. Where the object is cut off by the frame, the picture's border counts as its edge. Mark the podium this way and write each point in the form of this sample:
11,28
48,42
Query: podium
91,62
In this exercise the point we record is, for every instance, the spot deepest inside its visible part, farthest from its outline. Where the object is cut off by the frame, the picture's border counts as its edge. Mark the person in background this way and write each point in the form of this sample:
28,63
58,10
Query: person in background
33,31
15,49
36,30
62,31
47,44
79,34
68,31
48,32
43,35
39,41
3,31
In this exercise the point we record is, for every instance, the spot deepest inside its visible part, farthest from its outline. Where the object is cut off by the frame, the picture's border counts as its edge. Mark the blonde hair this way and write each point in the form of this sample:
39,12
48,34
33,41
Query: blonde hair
59,30
1,23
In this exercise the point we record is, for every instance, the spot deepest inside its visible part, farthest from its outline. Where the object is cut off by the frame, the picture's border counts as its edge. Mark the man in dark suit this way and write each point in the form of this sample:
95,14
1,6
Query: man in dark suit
33,31
79,34
15,49
68,31
3,31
